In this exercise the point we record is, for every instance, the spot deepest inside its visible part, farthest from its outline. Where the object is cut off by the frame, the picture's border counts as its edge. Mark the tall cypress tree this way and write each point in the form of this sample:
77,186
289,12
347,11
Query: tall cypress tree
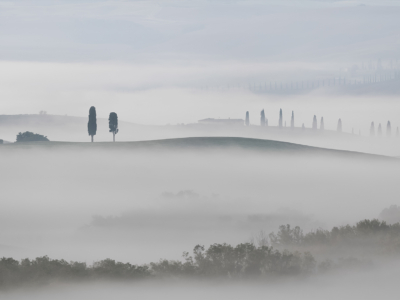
314,123
372,129
321,124
339,125
379,130
292,121
388,129
113,124
92,124
247,118
280,118
262,120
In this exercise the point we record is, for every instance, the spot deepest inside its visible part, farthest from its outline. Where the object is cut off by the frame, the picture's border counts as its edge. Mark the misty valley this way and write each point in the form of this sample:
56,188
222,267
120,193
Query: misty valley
197,209
196,149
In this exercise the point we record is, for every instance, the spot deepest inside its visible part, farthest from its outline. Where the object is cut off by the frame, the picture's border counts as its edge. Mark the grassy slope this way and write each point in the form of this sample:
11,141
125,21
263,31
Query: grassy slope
199,143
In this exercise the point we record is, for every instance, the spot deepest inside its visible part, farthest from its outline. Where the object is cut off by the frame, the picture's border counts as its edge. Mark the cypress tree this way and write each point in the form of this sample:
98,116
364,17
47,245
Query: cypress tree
388,129
321,124
314,123
262,120
92,124
379,130
247,118
280,118
113,124
372,129
339,125
292,121
302,127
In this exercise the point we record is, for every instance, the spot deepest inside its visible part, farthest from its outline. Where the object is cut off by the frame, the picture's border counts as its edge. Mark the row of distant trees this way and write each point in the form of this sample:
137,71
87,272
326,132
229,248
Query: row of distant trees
92,124
264,122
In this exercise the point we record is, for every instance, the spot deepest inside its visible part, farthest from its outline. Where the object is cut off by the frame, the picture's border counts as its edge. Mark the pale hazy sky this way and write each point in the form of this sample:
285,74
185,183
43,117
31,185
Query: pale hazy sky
146,60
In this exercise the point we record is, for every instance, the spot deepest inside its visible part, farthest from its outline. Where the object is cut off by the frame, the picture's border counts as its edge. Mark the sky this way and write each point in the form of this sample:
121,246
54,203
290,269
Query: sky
168,62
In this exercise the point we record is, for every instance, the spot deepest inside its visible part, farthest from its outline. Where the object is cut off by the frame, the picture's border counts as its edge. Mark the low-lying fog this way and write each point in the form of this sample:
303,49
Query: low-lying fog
88,203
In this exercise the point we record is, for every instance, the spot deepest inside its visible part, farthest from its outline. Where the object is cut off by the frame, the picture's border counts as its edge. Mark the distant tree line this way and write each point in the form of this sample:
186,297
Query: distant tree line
367,237
339,128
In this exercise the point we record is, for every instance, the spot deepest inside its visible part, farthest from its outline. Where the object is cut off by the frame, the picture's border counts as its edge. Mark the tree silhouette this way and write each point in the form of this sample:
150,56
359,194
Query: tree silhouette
92,124
280,118
113,124
388,129
262,120
339,126
314,123
372,129
247,118
379,130
321,124
292,121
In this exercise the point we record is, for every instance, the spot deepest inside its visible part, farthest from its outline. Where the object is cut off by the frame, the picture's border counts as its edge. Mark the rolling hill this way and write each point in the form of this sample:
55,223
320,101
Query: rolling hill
203,144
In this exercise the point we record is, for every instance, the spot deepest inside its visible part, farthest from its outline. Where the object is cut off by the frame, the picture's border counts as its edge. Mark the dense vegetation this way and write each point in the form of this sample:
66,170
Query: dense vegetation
218,261
366,237
28,136
223,261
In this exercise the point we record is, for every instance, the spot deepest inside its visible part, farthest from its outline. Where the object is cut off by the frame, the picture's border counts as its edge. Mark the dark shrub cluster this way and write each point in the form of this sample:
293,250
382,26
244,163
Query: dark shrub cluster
28,136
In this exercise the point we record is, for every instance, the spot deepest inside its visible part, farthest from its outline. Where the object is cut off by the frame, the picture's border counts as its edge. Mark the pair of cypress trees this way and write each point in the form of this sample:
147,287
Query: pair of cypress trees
92,124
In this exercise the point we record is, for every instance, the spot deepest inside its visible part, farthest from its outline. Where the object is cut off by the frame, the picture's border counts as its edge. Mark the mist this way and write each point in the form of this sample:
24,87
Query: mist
256,149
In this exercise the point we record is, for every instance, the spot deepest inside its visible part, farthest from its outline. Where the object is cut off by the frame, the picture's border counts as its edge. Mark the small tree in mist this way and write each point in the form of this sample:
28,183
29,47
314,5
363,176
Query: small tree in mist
379,130
292,121
339,125
314,123
92,124
321,124
262,120
280,118
303,127
247,118
372,129
113,124
388,129
397,132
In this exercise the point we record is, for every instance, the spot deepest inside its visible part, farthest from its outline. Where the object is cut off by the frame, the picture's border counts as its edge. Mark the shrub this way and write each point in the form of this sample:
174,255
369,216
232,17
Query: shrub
28,136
